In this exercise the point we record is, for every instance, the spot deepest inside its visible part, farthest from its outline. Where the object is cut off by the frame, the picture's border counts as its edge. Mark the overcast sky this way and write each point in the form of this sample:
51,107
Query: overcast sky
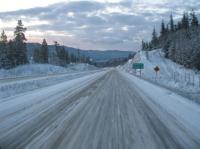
92,24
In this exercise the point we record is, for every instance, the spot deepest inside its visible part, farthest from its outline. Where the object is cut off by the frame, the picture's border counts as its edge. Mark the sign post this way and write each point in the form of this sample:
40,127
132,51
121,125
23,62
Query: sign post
139,66
156,69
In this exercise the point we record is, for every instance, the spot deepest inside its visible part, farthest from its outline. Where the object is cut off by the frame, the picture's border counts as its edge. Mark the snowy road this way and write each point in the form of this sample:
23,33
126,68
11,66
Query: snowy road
104,110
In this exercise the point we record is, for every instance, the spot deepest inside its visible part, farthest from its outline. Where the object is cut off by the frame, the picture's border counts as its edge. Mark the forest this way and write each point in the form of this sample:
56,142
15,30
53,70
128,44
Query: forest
180,40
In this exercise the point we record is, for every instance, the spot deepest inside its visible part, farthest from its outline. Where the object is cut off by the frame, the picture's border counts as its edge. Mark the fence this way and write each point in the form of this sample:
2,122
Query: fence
187,77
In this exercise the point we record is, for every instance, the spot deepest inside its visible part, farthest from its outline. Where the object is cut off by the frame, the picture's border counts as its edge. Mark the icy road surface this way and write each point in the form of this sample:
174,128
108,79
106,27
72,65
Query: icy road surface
105,110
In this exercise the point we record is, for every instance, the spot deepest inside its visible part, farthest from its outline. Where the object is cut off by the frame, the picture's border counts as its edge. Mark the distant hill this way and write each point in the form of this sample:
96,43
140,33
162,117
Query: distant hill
95,55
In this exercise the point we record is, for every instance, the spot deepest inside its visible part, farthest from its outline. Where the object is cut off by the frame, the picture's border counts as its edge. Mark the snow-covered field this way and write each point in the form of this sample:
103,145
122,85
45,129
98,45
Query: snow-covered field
31,77
171,75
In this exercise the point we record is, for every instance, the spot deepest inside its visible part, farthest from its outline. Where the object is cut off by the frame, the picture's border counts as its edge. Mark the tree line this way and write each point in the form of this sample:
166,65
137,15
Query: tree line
13,52
60,56
180,41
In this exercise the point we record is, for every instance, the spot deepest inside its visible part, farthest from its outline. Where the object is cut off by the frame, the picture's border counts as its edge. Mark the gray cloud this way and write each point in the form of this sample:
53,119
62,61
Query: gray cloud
94,25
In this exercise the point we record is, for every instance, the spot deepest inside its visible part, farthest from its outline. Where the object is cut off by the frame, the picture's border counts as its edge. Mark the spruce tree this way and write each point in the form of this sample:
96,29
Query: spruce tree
154,41
72,58
20,45
185,21
36,55
4,61
179,26
4,38
11,54
44,52
171,23
62,56
61,53
57,53
67,57
147,46
143,45
167,29
194,19
78,56
163,30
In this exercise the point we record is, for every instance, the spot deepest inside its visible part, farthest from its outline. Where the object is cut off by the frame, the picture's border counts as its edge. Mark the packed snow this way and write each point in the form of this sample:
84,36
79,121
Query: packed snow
171,75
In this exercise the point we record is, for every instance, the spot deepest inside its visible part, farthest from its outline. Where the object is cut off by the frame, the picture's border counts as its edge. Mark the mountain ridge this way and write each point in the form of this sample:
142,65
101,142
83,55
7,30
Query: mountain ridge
96,55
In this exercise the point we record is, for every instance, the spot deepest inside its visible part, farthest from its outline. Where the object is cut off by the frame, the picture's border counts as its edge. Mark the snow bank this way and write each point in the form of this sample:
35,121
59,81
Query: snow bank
40,75
171,75
42,69
21,86
180,108
32,70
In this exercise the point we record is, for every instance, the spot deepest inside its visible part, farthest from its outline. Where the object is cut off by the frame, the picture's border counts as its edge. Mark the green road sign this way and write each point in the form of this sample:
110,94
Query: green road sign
138,66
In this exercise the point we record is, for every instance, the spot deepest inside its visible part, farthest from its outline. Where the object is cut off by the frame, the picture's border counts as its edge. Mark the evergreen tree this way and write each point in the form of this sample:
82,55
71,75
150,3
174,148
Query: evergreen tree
57,49
196,59
61,53
143,45
163,30
179,26
36,55
167,28
171,23
11,54
78,56
4,61
185,21
194,20
166,49
20,45
154,41
67,56
4,38
147,45
62,56
73,58
150,47
56,44
43,54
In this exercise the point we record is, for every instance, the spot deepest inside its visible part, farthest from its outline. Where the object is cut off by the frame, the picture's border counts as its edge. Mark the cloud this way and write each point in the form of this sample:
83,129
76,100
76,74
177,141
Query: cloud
102,25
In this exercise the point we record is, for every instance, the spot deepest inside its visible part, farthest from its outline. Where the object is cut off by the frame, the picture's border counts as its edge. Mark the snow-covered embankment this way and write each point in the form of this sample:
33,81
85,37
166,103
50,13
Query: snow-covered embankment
171,75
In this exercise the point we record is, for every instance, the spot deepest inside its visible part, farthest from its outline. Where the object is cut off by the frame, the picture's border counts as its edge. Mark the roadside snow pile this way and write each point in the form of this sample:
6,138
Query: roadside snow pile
20,86
43,69
171,75
30,77
178,107
32,70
